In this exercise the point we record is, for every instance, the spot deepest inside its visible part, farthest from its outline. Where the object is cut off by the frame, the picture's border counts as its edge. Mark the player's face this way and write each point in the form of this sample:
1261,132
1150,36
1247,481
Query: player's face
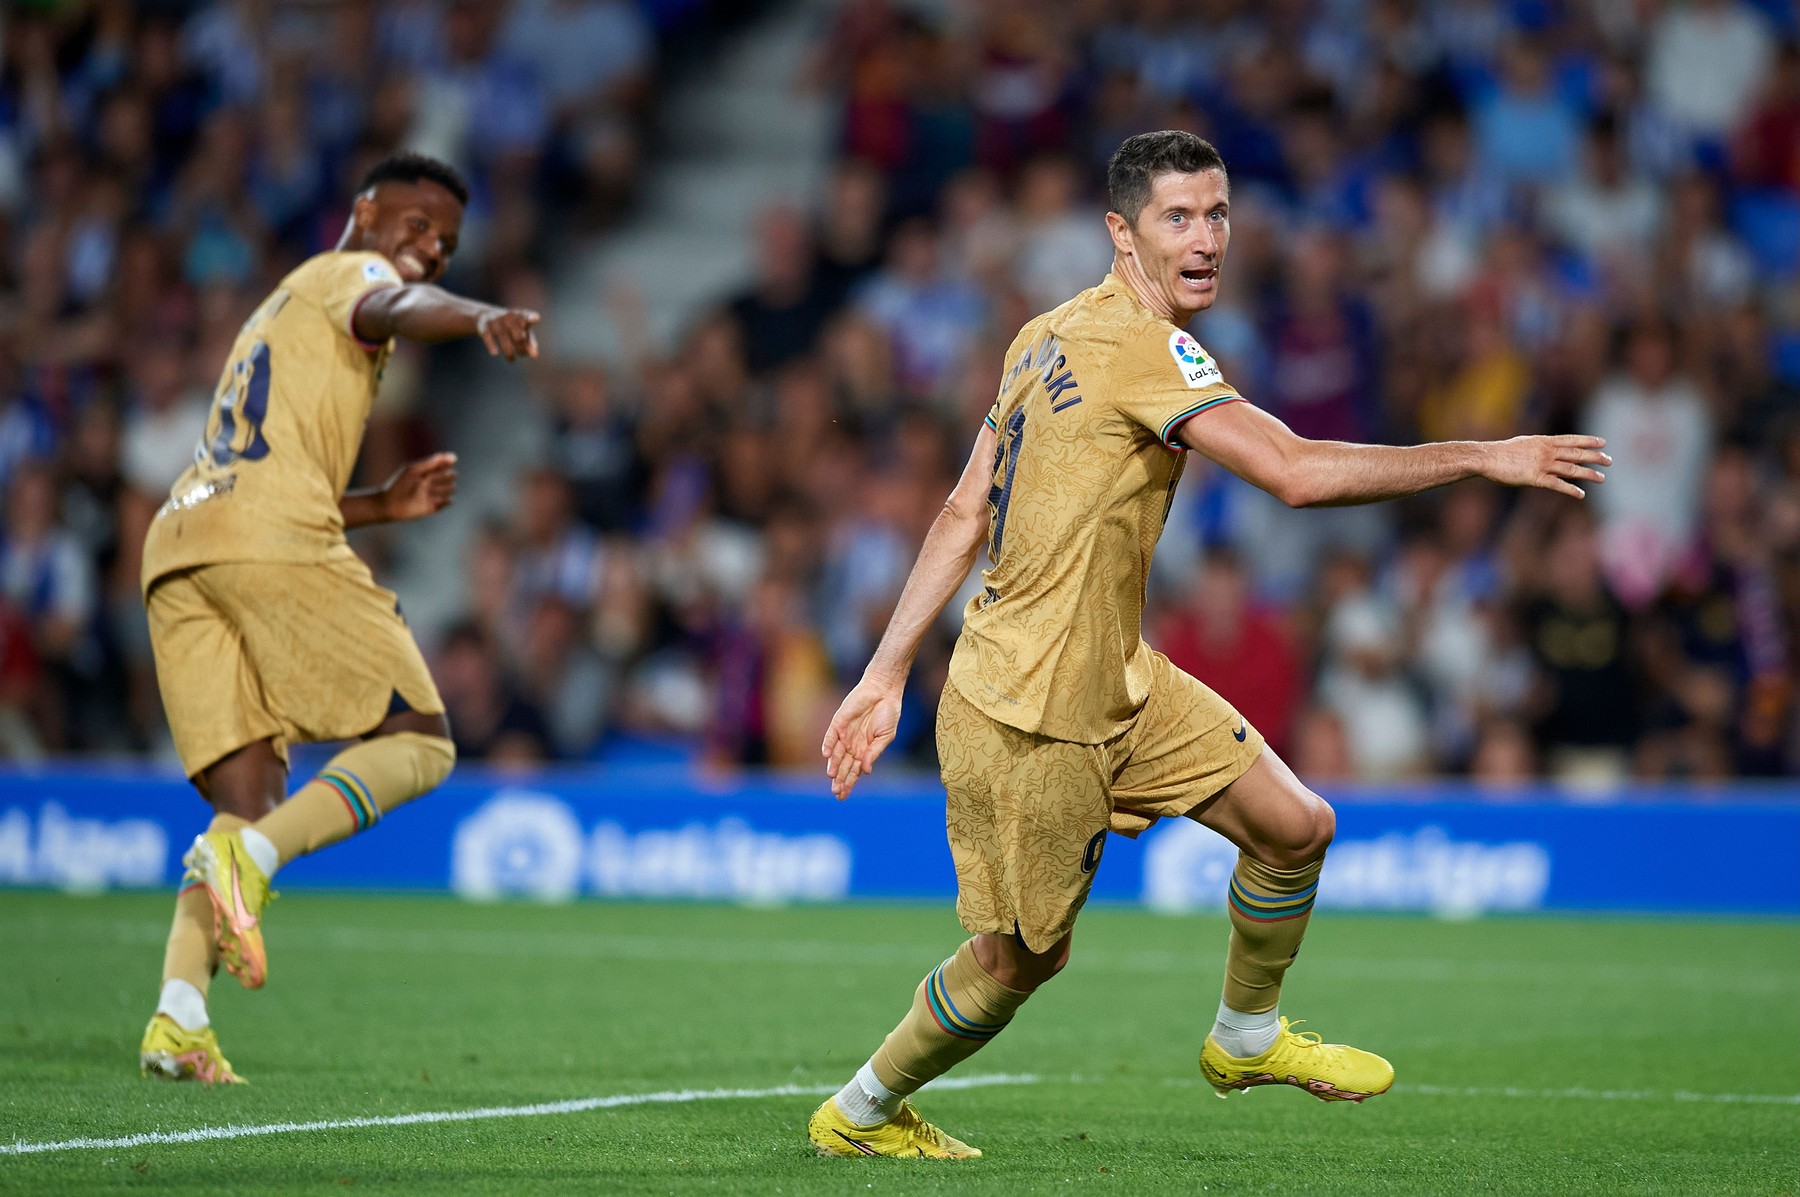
412,225
1179,239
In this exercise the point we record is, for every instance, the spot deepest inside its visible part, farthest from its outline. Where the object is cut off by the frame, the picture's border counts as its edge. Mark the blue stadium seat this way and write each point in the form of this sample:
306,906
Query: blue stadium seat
1769,223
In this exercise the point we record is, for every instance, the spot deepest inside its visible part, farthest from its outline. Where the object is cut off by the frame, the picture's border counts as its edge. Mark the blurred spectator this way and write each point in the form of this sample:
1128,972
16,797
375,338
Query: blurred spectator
1526,131
849,229
1063,246
1658,432
779,318
1362,683
1240,650
489,718
557,557
46,578
1322,340
1587,716
592,445
165,419
775,685
1603,210
564,678
1705,62
1767,148
930,316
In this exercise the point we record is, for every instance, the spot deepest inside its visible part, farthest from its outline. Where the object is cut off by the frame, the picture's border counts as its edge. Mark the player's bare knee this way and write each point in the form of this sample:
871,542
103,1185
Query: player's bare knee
1008,960
248,783
1300,839
1315,832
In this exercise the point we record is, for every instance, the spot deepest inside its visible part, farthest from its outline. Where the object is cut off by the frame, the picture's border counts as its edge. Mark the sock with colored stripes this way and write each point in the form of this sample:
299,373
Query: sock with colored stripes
190,958
350,794
956,1010
1269,911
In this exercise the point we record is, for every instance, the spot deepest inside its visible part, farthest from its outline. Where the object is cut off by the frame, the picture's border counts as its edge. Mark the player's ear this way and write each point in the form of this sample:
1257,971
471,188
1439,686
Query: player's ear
362,211
1120,230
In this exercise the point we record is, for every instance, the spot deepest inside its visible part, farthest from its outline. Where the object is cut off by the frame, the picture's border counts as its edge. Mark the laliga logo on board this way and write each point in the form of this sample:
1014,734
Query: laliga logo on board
525,844
1187,867
519,844
80,855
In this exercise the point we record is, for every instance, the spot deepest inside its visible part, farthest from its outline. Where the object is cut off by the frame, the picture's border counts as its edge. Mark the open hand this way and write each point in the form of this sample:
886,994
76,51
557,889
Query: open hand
509,332
861,730
420,488
1551,462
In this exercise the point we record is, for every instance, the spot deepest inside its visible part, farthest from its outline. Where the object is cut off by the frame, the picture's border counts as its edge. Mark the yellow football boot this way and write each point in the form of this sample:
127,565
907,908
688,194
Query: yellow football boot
1328,1071
239,892
904,1136
175,1053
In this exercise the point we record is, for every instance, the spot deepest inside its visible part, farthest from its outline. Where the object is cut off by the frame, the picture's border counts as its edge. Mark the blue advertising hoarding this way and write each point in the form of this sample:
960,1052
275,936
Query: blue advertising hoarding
672,833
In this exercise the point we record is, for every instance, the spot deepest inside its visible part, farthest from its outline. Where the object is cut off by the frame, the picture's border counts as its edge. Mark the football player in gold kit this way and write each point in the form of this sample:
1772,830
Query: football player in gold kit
1059,724
267,628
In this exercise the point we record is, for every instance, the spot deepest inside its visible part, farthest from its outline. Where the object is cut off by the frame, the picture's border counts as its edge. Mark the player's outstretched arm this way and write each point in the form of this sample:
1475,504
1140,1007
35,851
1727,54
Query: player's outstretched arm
1263,451
417,489
422,312
870,714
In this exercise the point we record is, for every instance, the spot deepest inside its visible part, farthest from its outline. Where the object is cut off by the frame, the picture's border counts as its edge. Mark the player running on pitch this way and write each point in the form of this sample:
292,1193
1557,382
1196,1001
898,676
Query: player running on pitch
267,628
1058,722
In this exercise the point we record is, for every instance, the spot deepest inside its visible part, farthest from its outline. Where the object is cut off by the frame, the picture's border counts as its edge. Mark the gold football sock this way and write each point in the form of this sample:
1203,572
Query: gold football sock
1269,912
350,794
956,1009
191,955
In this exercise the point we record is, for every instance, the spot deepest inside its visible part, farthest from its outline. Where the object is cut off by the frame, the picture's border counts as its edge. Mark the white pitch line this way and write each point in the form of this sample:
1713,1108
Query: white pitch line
684,1096
1580,1094
207,1134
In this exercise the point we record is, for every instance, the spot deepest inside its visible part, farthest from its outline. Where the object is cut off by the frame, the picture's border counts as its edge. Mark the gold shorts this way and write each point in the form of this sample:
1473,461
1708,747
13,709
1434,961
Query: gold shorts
1028,815
277,651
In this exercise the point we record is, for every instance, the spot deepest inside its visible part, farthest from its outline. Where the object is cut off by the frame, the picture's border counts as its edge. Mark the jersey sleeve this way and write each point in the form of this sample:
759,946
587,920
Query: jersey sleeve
340,281
1162,381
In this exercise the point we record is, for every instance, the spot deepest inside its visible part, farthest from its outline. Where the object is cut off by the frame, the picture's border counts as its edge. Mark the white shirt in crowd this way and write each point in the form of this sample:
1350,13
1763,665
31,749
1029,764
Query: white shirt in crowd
1649,508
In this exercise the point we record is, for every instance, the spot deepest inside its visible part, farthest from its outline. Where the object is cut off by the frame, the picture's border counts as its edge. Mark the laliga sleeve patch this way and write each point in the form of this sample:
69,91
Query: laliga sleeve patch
380,272
1197,368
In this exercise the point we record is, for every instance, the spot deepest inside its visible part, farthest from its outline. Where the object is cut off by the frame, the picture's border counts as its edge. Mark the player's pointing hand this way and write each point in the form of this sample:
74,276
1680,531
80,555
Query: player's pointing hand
1552,462
861,730
509,332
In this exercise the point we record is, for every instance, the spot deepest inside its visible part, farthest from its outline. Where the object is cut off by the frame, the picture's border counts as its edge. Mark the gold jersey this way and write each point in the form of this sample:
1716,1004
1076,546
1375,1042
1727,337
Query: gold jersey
285,428
1084,472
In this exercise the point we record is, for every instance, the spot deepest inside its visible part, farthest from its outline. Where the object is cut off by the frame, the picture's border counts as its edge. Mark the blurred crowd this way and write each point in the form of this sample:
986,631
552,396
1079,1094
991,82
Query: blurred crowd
163,163
1468,219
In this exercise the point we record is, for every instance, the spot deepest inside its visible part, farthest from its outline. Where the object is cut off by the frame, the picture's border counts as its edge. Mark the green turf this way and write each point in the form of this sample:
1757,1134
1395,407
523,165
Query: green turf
389,1005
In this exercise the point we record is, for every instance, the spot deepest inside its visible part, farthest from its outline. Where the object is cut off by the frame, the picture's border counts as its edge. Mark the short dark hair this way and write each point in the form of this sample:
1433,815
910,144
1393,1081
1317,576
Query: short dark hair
413,168
1140,159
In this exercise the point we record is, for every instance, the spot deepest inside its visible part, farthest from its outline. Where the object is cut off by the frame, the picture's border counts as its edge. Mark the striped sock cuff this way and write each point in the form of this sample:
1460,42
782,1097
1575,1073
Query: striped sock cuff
355,794
1265,908
948,1017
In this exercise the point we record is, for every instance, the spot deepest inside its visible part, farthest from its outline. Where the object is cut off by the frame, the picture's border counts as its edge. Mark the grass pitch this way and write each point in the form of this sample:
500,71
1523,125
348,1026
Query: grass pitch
1534,1056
